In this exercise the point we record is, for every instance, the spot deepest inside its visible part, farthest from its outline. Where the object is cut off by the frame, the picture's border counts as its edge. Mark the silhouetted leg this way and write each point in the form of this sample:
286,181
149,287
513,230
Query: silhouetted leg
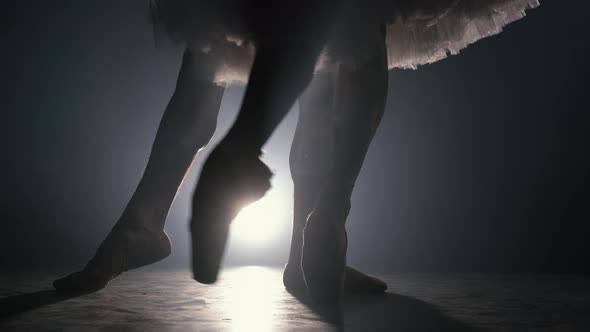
138,237
233,175
359,103
311,162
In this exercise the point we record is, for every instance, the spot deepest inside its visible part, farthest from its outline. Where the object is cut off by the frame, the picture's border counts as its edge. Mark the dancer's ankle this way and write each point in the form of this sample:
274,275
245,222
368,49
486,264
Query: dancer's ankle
148,218
239,149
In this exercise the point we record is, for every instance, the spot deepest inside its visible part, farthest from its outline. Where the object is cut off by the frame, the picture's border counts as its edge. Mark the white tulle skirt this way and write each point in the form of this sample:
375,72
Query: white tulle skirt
418,32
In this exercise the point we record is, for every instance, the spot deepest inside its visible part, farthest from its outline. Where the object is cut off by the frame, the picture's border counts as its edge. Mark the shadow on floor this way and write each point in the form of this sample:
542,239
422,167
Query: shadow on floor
386,312
397,312
13,305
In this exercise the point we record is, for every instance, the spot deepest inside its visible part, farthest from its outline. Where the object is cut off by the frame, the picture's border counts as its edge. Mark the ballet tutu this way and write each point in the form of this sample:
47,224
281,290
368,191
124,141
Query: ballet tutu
417,32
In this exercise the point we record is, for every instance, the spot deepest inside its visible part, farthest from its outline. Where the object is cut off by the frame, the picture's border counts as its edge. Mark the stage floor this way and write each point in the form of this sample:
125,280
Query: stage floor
253,299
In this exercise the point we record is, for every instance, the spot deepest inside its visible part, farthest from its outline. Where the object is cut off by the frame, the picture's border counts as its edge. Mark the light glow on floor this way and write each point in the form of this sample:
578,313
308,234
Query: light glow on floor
253,297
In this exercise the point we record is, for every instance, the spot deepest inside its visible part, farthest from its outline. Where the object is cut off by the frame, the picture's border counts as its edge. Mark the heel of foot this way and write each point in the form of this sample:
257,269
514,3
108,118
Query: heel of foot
145,247
324,259
161,248
293,279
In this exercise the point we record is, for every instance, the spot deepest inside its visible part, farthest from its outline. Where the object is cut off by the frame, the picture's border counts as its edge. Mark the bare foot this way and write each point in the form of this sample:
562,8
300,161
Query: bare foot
354,281
323,258
123,249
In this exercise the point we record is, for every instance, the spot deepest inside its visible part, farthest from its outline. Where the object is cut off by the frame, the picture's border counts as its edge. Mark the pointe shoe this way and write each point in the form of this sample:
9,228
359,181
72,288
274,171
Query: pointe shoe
226,185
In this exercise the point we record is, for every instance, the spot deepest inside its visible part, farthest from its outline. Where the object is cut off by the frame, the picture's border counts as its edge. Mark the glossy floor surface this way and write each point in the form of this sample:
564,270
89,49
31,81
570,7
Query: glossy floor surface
253,299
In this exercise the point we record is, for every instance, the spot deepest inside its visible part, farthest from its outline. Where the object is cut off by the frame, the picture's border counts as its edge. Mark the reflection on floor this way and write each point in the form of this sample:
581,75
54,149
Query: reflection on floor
253,299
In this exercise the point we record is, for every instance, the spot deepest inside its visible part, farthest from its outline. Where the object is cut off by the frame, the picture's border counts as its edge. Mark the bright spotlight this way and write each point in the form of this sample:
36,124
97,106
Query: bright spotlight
260,222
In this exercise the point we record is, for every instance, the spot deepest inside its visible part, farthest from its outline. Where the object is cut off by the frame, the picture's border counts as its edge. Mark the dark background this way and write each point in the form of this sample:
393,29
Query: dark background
480,164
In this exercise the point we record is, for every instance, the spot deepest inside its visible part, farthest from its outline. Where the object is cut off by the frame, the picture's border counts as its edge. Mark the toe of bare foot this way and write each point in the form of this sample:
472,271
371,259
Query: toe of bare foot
80,282
356,281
